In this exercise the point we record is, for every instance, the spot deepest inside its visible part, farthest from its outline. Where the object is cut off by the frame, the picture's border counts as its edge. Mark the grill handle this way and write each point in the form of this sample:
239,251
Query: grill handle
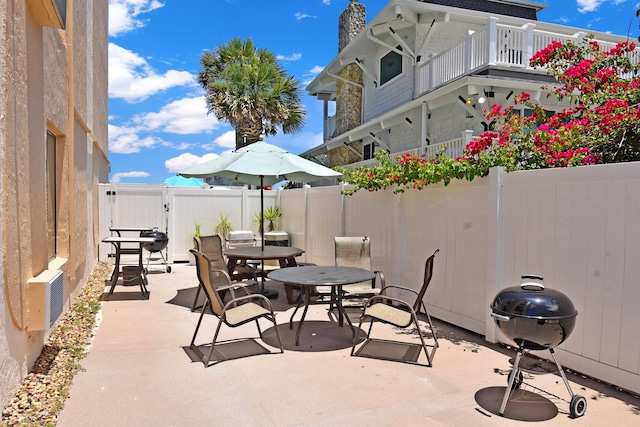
528,285
500,317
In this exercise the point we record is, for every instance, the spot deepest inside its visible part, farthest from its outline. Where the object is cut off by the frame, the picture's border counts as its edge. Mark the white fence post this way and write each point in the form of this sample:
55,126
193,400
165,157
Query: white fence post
495,247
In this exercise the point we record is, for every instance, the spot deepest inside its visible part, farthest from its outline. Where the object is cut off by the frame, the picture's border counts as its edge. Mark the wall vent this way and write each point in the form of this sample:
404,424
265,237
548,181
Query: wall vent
45,300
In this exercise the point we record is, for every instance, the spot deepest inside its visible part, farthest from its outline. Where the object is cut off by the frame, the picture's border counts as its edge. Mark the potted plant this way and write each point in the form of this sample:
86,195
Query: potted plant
197,233
271,215
223,227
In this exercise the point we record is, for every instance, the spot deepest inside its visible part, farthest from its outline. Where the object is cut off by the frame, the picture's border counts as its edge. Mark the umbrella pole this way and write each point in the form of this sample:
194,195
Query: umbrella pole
262,211
271,293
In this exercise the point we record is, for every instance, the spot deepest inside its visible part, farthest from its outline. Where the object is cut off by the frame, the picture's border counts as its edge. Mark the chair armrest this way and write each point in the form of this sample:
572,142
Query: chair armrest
380,275
250,297
399,287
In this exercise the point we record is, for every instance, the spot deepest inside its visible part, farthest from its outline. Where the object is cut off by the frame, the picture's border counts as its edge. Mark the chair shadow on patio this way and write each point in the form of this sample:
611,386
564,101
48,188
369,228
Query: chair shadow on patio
228,350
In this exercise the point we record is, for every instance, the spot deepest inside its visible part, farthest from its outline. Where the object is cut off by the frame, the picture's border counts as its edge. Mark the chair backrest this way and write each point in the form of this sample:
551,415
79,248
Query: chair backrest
211,279
353,252
428,274
211,246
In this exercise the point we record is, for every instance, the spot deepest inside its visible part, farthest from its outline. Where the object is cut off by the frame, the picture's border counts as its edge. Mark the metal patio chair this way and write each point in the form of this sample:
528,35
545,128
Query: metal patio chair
211,246
238,311
356,252
402,314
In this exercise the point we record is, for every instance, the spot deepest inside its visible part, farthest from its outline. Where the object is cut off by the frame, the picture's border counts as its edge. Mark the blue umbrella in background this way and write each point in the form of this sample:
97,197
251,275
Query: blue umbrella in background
181,181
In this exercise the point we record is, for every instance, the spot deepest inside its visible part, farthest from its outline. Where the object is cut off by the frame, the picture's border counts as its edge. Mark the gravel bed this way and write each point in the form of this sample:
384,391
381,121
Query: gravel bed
43,391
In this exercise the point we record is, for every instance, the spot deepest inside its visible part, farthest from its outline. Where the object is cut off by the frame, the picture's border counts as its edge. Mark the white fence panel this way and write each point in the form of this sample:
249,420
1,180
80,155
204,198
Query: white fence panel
130,206
578,228
323,222
453,219
374,215
191,206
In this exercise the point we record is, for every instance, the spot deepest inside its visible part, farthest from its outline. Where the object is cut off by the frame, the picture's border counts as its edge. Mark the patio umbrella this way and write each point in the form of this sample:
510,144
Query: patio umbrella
263,165
181,181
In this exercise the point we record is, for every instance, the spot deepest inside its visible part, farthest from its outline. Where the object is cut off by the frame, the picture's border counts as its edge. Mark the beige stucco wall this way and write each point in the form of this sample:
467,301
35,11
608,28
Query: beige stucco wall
47,87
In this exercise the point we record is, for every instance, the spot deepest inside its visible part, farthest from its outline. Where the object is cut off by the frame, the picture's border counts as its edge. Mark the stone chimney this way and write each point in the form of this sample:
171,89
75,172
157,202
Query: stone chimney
348,96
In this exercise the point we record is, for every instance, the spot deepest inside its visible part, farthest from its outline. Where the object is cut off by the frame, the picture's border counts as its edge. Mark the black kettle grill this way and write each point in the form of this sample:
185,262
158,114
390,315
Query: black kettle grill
535,318
161,242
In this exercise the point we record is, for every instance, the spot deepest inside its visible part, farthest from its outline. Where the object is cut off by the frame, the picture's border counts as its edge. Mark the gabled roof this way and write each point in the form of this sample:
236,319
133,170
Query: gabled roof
401,14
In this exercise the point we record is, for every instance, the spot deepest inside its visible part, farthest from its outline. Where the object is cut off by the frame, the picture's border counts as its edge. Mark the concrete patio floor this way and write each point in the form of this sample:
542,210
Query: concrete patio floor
137,373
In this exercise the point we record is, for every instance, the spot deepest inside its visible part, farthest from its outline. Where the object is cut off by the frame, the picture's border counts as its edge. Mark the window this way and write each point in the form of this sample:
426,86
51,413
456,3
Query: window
390,66
51,195
367,151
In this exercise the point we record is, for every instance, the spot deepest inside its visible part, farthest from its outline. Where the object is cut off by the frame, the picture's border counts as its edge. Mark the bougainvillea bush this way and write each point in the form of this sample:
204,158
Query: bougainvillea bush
600,124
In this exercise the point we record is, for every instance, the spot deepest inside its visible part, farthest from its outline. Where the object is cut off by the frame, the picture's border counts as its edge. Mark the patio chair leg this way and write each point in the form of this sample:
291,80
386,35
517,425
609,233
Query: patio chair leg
195,301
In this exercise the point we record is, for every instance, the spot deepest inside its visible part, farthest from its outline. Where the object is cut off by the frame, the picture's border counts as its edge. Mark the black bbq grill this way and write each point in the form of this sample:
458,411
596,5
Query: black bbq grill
161,242
535,318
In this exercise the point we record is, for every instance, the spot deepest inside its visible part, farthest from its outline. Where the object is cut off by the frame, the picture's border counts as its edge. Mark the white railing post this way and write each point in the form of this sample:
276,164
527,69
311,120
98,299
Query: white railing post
467,136
468,51
432,74
492,40
527,49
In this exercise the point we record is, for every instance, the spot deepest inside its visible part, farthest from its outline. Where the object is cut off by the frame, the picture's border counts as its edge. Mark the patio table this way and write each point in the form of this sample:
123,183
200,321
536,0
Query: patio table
286,256
117,242
308,278
119,230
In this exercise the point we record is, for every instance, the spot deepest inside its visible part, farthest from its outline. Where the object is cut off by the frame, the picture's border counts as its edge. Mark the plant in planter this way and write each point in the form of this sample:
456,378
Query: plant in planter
198,230
196,233
223,227
271,215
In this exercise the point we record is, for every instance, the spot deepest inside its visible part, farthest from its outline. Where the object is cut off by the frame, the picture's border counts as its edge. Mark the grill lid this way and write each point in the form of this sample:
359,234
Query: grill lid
532,300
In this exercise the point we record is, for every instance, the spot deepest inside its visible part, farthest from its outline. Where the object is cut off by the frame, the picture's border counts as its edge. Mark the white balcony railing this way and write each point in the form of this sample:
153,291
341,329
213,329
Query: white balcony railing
452,148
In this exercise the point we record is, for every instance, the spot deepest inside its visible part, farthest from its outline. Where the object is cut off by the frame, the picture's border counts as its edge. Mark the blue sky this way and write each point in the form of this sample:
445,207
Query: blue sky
158,122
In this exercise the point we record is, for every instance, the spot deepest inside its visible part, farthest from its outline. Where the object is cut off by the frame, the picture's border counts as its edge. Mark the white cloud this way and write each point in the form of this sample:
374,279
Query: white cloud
311,74
588,5
133,79
317,69
125,140
326,2
184,116
124,15
301,15
186,160
227,140
133,174
293,57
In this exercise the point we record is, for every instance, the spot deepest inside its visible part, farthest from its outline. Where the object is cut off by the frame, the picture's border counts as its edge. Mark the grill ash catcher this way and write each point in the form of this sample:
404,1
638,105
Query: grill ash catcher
535,318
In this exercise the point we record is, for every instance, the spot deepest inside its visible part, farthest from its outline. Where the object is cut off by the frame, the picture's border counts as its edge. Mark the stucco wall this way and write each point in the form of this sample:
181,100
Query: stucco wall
37,68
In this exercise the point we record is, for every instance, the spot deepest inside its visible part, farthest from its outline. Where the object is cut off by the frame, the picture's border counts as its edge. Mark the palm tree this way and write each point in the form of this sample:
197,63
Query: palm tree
249,89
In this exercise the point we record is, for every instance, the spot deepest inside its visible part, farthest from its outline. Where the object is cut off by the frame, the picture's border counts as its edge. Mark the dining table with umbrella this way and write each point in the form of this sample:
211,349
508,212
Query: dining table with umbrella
261,164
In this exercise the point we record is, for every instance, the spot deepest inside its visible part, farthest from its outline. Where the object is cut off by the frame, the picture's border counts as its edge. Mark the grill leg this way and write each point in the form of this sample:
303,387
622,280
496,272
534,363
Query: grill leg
561,370
512,378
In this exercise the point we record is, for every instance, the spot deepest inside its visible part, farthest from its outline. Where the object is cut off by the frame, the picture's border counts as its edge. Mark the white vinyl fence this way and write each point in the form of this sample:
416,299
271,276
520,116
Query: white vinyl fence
579,228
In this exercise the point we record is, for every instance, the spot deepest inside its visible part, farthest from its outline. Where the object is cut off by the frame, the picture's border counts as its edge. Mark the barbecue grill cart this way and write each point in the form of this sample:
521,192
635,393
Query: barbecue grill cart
535,318
162,240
